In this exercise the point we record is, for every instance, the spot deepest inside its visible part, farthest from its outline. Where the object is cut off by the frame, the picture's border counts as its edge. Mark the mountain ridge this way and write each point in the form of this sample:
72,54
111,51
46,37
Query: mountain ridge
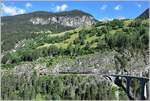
75,11
54,21
19,27
144,15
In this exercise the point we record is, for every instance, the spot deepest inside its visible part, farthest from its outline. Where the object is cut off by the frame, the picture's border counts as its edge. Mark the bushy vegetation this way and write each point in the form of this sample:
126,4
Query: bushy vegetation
134,36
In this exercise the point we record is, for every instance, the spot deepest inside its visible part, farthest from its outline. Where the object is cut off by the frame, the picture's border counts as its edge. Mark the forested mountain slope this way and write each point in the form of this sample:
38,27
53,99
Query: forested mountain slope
19,27
114,35
111,47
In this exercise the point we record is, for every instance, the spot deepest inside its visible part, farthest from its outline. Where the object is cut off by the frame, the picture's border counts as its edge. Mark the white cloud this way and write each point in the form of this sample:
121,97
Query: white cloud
118,7
103,7
106,19
12,10
121,17
61,8
139,5
28,5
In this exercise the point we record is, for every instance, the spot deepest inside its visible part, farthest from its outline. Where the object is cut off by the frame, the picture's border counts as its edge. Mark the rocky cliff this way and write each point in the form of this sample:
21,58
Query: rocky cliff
70,19
76,21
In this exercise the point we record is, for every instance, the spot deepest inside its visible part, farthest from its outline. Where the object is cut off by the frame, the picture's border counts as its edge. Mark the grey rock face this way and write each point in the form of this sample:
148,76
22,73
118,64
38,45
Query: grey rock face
75,21
23,69
96,63
29,68
102,63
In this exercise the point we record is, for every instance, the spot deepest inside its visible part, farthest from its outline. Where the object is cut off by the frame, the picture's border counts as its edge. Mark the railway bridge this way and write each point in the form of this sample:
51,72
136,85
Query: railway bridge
143,82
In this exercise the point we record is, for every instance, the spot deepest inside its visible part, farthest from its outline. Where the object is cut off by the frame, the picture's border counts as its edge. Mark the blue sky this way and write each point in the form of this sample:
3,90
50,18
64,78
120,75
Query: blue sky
99,9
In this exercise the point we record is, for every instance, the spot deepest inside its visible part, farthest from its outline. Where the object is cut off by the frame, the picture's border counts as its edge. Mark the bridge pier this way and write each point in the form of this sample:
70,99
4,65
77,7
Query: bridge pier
147,90
128,82
142,86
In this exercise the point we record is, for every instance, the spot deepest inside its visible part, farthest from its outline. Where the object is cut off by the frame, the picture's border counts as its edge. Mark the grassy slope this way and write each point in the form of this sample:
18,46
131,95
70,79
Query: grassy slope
68,41
82,86
35,43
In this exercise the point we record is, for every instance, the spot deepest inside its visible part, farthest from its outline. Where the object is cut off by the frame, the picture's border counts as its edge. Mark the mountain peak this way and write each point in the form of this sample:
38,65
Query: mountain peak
144,15
40,12
75,12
